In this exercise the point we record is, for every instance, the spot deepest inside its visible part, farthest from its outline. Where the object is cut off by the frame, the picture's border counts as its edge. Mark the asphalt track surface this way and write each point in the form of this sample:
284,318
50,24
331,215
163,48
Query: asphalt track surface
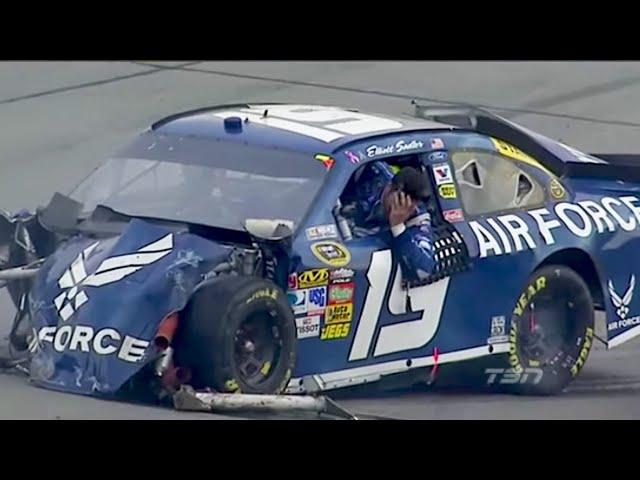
59,120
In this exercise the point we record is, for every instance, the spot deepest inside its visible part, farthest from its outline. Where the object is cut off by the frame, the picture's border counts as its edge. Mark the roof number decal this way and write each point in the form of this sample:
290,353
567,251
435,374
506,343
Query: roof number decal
322,123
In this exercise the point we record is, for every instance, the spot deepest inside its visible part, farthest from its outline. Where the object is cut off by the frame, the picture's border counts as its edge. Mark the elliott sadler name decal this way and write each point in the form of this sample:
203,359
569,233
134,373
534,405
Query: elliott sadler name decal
399,147
582,219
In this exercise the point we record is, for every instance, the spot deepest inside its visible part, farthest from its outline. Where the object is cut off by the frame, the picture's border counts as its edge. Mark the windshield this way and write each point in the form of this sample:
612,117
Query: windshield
217,194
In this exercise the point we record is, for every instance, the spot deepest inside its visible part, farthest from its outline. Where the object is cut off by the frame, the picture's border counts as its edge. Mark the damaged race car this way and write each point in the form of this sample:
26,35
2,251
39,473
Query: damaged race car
220,250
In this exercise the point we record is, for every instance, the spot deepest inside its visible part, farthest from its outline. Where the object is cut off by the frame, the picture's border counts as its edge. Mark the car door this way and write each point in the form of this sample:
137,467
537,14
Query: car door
390,319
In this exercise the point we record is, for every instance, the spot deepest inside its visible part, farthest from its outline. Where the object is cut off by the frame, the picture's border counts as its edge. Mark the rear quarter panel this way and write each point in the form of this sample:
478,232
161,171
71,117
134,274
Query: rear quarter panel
599,218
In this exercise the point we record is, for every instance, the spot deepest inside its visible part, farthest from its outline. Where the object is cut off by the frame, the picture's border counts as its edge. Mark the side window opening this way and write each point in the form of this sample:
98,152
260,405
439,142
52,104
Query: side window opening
524,189
357,200
489,182
469,175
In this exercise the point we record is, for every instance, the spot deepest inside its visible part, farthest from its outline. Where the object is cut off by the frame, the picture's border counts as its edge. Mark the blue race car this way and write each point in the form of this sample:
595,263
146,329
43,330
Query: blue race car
221,249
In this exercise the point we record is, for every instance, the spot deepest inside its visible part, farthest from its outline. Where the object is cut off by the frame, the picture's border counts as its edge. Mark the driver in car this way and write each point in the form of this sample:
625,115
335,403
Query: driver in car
397,197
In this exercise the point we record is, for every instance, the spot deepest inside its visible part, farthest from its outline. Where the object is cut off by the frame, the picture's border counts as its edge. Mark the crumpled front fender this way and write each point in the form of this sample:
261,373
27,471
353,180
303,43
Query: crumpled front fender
96,305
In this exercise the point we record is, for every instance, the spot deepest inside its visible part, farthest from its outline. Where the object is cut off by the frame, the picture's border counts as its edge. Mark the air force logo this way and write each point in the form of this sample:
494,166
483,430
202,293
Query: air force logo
622,304
109,271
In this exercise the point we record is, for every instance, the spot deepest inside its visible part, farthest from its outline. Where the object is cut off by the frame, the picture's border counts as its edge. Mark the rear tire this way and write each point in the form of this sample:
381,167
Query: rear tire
552,331
238,335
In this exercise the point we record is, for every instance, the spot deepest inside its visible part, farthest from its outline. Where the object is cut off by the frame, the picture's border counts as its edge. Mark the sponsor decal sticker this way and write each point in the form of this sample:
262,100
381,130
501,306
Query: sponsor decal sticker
352,157
454,215
556,189
447,191
331,253
298,301
442,173
341,293
510,151
335,331
316,299
437,143
308,327
313,278
320,232
341,275
292,282
339,313
438,157
326,160
498,330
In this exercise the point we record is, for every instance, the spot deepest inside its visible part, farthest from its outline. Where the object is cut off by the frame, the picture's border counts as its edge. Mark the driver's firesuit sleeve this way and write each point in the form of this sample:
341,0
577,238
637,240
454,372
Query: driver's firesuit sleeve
411,244
413,248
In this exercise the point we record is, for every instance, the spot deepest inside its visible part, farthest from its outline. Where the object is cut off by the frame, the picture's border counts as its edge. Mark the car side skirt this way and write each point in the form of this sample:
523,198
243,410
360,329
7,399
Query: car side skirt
372,373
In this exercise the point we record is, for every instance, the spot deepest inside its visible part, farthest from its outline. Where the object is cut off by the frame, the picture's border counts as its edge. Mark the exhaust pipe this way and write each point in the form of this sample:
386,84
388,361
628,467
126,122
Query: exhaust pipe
166,331
171,376
162,341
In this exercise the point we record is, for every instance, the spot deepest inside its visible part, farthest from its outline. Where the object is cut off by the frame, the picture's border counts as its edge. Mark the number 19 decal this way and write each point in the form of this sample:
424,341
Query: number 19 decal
398,337
322,123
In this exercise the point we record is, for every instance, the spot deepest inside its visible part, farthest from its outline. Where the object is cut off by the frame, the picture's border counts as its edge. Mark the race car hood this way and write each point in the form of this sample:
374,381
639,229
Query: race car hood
96,304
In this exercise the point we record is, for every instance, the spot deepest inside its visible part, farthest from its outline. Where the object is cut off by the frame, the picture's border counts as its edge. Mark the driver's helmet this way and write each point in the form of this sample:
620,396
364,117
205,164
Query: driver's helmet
377,177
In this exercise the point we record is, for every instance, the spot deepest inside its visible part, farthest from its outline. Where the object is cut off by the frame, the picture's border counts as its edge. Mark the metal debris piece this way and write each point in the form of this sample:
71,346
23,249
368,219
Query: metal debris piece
188,399
18,273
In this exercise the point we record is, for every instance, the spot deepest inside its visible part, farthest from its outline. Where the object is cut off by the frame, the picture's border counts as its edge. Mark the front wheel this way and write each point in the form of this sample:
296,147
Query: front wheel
552,331
238,335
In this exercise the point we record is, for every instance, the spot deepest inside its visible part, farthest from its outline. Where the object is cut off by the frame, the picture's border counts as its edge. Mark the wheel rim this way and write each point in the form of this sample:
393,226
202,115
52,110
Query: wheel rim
548,327
257,348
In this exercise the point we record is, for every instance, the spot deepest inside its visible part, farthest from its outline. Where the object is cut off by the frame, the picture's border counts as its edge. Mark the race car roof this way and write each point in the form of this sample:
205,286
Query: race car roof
304,128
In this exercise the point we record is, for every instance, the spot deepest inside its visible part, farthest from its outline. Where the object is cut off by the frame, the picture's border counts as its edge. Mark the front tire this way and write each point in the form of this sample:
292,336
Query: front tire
552,331
238,335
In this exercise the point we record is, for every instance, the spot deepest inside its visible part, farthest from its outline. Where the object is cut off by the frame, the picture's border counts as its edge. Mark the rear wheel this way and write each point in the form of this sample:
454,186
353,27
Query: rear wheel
238,335
551,334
